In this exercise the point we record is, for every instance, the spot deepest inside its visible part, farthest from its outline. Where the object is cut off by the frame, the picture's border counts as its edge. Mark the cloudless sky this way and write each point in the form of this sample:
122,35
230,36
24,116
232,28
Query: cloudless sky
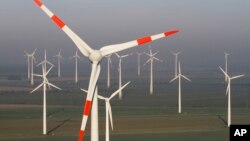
207,28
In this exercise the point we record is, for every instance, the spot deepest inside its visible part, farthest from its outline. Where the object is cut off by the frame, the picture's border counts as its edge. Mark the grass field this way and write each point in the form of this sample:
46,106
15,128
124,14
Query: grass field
138,116
144,123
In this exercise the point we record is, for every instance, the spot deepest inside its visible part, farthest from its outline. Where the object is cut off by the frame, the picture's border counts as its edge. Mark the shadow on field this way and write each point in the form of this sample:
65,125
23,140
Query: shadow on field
222,119
58,126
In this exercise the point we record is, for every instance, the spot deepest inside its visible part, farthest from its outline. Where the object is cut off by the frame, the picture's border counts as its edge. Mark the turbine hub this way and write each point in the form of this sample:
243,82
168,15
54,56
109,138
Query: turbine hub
96,56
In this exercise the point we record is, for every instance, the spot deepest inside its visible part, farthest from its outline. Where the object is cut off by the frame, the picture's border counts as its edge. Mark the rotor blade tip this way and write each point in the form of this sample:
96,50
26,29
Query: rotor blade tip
168,33
38,2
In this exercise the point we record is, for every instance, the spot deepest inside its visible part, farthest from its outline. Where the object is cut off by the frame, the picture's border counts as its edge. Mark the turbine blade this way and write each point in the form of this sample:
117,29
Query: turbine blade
87,108
156,53
228,85
117,91
40,63
238,76
84,90
174,79
157,59
101,97
123,56
82,46
119,47
49,84
186,78
39,86
38,75
110,114
117,55
34,52
224,72
49,63
48,70
147,54
147,61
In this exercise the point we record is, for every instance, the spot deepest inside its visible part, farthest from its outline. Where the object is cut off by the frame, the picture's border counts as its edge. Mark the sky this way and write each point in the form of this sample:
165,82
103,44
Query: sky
208,28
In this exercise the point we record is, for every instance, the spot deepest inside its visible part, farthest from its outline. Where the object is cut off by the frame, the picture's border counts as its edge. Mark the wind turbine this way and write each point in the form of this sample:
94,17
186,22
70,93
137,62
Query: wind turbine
76,56
44,84
151,60
226,70
228,92
95,56
45,61
59,57
179,76
139,63
109,63
30,61
176,61
120,71
108,110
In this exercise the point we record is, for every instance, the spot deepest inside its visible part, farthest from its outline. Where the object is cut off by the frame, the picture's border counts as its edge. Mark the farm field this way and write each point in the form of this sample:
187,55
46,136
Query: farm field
139,116
24,123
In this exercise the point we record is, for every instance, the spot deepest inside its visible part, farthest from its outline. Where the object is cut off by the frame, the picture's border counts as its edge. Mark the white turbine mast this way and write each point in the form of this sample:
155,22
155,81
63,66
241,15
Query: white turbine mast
151,60
30,61
226,64
120,71
76,56
176,62
95,56
179,76
59,57
109,64
228,93
44,85
139,63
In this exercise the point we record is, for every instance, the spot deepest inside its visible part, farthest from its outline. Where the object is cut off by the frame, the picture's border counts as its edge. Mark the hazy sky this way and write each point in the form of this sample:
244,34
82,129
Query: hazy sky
207,28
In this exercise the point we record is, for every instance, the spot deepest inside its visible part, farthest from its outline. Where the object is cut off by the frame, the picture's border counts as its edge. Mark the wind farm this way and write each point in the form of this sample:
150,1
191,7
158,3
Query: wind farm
158,47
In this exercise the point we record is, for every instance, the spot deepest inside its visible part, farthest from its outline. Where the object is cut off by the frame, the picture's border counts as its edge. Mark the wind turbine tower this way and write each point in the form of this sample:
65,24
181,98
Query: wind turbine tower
176,61
76,56
179,76
228,93
44,85
151,61
120,71
109,64
139,63
226,66
59,57
30,61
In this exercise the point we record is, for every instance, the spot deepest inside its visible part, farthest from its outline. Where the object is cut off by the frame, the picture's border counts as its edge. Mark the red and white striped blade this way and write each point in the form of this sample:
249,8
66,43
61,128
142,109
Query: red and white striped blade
87,108
106,50
82,46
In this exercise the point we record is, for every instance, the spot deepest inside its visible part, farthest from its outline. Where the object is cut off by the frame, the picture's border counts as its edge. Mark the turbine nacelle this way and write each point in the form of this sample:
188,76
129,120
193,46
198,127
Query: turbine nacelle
95,56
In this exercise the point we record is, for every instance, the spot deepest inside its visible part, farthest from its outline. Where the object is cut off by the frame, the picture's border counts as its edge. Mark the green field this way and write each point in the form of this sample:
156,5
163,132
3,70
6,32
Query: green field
144,123
139,116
